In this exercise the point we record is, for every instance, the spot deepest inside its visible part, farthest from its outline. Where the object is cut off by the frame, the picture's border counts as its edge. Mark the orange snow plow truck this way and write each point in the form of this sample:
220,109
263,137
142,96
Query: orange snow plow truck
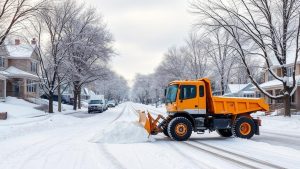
192,107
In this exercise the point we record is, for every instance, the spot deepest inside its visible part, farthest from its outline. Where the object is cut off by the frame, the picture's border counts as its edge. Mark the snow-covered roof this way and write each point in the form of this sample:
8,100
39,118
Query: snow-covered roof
248,92
13,72
290,59
277,83
20,51
235,88
2,77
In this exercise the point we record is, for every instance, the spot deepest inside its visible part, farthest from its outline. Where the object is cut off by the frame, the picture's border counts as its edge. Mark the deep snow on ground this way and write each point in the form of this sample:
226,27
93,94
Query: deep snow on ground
20,111
122,132
65,142
17,108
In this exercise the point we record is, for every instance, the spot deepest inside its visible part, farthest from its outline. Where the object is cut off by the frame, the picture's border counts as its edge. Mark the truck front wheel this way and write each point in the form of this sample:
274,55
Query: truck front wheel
224,132
243,127
180,129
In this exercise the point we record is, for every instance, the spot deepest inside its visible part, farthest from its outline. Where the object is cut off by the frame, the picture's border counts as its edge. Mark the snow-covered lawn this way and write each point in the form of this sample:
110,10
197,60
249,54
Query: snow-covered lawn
21,111
112,140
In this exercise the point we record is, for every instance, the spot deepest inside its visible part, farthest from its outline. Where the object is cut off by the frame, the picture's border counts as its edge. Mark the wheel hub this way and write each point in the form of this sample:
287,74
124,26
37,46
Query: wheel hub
245,128
181,129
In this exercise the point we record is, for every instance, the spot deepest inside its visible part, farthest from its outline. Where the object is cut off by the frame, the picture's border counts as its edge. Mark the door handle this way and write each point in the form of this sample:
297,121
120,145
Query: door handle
196,106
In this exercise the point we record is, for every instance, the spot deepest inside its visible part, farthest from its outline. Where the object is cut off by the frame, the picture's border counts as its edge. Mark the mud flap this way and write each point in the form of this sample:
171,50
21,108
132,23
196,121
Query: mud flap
257,123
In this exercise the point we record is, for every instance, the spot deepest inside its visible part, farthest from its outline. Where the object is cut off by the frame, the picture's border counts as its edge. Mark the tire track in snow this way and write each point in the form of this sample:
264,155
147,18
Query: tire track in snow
294,137
229,156
110,157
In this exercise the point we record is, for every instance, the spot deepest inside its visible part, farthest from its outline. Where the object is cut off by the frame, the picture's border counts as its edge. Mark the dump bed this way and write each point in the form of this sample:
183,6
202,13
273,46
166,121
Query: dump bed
237,105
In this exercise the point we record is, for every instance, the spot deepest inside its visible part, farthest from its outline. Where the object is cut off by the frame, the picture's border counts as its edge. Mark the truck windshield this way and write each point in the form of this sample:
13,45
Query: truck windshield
96,102
171,93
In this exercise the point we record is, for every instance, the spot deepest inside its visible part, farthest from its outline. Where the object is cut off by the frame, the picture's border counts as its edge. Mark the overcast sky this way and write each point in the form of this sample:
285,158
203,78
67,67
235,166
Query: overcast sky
143,30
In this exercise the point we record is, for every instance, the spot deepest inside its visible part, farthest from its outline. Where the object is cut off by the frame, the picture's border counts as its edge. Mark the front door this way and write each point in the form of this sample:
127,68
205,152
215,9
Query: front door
189,99
16,89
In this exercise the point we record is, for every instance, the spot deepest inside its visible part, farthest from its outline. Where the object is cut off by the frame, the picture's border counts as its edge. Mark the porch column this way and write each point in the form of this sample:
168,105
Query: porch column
4,90
24,93
273,93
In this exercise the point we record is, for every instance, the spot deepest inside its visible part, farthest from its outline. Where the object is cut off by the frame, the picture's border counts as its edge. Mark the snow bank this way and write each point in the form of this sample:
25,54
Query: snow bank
123,132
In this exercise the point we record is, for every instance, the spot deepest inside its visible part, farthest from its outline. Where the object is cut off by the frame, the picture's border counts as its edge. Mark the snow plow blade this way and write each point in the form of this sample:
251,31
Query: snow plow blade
149,123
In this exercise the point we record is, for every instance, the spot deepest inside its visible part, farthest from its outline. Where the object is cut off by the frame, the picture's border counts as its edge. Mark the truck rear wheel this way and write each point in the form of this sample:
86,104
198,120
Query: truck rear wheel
224,132
180,129
243,127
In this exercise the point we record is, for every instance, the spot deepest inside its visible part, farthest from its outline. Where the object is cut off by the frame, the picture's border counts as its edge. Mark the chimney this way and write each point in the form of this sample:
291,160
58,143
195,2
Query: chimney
17,41
33,41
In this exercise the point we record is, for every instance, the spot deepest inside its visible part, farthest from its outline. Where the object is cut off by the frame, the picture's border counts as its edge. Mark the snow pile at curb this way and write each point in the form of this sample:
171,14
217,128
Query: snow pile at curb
123,132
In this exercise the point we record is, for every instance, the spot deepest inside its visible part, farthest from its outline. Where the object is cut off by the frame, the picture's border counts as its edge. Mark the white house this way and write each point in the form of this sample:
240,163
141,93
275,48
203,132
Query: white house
240,90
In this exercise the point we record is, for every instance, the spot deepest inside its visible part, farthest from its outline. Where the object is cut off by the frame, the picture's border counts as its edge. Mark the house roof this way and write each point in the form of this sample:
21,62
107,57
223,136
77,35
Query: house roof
235,88
13,72
20,51
2,77
290,59
277,83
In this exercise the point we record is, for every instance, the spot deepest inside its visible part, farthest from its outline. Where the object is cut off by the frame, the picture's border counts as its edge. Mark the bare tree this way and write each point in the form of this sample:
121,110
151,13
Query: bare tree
222,57
50,23
196,56
113,88
174,63
89,52
266,28
13,13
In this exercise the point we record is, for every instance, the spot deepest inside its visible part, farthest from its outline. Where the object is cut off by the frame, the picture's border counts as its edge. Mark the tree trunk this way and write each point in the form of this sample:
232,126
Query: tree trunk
75,100
222,86
59,95
287,105
79,97
50,108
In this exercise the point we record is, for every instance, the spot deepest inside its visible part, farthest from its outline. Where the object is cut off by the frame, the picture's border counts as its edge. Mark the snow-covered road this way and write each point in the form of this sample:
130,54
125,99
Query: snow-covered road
65,142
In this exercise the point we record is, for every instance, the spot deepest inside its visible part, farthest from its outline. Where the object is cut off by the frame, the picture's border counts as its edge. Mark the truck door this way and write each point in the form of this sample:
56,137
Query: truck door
188,99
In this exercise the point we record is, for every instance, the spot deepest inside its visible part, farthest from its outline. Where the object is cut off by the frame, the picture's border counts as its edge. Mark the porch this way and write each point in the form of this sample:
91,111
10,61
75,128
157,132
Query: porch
278,104
21,84
22,88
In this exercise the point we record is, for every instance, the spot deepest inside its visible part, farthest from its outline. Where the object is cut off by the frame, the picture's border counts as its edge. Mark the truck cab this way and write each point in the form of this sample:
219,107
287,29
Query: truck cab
186,96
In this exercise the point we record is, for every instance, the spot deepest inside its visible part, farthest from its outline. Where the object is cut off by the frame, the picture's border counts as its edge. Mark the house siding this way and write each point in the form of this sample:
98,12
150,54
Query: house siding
23,64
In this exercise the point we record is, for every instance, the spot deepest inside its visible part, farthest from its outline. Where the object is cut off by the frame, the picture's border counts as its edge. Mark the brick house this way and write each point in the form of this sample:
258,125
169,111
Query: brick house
19,65
274,86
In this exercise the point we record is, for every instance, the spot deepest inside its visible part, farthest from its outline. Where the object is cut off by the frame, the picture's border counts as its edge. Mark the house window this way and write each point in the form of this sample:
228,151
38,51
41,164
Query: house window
2,62
33,67
289,71
31,86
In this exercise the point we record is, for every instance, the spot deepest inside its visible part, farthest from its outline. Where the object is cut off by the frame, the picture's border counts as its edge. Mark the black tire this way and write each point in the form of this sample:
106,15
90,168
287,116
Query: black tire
165,131
238,127
224,132
180,129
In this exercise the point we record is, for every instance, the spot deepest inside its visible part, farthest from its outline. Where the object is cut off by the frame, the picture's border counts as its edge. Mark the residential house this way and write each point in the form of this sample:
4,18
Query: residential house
274,86
19,65
240,90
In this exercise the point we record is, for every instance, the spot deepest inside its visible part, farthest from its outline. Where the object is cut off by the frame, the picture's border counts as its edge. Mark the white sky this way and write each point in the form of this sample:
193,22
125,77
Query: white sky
143,31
